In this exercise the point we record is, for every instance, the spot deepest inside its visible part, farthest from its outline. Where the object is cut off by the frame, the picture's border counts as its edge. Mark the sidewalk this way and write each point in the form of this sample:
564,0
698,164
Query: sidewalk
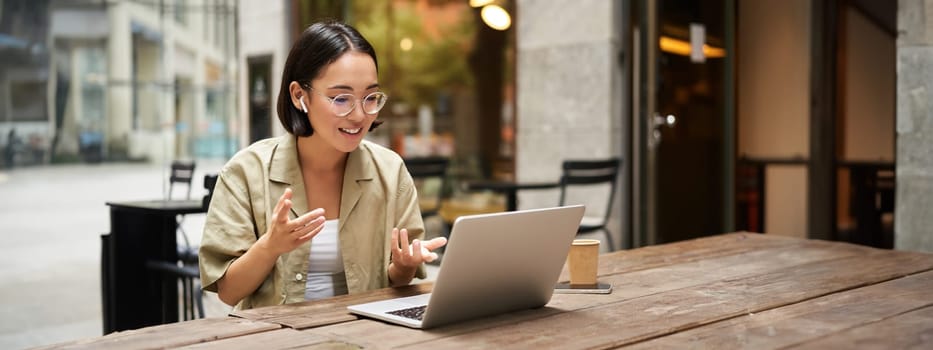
51,219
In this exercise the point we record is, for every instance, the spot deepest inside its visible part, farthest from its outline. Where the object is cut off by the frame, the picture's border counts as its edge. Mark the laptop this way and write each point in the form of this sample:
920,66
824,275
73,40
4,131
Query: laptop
493,264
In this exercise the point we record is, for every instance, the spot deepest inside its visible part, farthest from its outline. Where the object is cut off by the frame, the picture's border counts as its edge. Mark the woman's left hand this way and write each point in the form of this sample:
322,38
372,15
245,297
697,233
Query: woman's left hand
410,256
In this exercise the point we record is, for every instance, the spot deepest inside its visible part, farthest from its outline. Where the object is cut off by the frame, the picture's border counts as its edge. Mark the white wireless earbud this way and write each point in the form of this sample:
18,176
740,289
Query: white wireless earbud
303,108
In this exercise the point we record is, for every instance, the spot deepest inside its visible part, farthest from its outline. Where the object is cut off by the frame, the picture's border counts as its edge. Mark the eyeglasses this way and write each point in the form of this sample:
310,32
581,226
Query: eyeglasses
342,105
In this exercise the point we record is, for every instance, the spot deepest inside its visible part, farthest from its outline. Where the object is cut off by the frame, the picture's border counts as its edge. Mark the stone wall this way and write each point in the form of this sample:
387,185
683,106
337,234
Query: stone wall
914,198
569,89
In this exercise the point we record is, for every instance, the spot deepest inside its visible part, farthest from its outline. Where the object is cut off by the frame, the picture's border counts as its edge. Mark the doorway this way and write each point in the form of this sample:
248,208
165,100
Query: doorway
683,124
259,73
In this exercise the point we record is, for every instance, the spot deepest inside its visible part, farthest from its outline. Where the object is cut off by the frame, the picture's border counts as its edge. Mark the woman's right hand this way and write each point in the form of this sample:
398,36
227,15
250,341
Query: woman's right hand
285,235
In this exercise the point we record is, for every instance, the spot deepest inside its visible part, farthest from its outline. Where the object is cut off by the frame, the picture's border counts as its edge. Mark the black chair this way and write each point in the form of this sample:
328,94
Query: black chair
423,169
580,174
190,276
209,181
181,173
872,191
186,268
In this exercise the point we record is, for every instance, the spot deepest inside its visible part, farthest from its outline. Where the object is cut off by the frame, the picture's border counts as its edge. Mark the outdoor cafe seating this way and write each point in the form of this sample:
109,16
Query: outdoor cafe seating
583,181
185,269
143,266
586,173
424,170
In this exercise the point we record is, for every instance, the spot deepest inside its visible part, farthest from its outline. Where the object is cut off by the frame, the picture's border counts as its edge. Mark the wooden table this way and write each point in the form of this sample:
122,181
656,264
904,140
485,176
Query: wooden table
727,291
453,208
510,189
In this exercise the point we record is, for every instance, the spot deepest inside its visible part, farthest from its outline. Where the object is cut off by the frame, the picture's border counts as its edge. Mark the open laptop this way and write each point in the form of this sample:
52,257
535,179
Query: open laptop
493,263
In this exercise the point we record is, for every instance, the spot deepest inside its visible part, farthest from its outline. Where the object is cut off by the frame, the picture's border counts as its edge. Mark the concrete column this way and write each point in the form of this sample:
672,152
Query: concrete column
569,84
68,141
198,110
913,227
167,76
200,105
119,65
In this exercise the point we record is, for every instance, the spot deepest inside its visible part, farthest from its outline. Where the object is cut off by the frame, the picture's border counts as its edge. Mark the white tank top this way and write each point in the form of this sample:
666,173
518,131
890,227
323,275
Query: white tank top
325,265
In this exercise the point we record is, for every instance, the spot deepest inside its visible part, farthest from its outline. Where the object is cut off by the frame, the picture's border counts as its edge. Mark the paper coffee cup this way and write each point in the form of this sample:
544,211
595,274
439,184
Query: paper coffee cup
583,261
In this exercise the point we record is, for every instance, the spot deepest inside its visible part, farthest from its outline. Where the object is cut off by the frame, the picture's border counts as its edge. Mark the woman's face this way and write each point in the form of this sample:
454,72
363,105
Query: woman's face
353,73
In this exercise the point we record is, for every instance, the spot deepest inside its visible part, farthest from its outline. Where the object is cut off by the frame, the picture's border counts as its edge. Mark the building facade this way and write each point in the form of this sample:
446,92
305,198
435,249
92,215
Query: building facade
123,80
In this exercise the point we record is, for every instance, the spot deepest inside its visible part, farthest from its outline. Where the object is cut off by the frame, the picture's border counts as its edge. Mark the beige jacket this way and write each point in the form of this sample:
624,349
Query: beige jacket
378,194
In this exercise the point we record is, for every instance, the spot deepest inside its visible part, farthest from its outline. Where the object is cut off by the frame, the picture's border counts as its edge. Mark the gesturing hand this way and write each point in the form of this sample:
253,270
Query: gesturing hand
285,235
410,256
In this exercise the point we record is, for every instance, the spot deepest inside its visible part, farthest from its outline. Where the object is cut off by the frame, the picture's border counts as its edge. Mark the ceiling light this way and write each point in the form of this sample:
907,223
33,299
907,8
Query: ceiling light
480,3
496,17
682,47
405,44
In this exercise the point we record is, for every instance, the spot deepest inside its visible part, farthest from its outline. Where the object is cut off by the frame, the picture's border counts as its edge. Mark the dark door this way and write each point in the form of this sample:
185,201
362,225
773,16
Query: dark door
683,145
260,97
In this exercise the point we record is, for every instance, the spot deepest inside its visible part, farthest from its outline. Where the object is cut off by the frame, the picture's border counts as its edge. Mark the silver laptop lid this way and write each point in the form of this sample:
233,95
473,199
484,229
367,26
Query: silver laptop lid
501,262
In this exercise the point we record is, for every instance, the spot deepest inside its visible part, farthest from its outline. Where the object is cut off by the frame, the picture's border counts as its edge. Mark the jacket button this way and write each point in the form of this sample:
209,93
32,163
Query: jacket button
298,277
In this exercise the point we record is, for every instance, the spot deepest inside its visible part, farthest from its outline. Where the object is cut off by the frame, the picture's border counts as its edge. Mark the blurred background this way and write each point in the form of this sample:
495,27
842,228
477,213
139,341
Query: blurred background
805,118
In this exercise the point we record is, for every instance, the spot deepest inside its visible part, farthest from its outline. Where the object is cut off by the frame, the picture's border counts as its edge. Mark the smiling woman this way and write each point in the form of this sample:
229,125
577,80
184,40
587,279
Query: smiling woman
319,211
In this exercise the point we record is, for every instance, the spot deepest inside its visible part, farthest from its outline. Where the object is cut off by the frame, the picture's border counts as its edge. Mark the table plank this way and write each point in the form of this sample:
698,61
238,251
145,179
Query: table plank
627,286
285,338
332,311
631,321
814,319
911,330
317,313
747,290
172,335
690,250
327,311
641,283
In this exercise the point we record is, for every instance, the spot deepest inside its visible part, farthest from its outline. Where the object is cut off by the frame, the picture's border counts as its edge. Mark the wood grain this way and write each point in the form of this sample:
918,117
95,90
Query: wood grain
327,311
278,339
630,321
686,251
333,310
735,290
731,267
911,330
825,317
629,286
172,335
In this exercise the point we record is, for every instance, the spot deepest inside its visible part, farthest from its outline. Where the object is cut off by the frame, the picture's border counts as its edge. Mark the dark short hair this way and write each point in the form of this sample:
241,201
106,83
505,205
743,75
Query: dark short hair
319,45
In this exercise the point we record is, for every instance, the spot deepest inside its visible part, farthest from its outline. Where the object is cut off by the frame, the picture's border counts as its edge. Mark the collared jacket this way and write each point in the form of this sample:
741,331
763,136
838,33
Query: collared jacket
378,194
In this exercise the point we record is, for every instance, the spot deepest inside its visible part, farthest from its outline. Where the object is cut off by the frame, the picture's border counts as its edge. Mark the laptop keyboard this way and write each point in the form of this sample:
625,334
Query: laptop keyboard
415,313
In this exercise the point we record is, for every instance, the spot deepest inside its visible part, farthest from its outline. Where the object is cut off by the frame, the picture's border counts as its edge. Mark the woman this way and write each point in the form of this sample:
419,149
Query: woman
261,245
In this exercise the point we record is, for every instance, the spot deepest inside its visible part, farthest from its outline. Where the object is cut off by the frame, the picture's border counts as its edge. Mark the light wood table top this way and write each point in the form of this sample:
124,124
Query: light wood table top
737,290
